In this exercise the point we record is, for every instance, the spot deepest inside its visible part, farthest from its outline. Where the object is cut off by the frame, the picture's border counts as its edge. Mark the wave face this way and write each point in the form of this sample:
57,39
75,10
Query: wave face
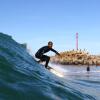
21,78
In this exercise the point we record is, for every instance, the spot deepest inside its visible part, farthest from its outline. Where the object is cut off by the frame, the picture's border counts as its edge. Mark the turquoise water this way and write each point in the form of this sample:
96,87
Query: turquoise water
21,78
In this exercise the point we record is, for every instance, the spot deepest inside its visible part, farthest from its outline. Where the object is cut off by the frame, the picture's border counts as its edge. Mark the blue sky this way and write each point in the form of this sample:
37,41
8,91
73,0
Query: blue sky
38,21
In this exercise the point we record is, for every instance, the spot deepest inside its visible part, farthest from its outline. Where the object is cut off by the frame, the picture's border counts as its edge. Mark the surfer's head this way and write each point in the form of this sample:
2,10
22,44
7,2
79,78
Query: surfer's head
50,44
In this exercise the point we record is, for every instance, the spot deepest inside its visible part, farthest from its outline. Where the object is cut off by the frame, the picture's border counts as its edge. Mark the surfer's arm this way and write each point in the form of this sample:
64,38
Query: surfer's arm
55,51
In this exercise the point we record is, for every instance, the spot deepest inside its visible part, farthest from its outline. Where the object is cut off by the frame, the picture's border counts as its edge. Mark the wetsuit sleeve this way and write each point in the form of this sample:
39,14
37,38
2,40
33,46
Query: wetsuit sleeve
55,51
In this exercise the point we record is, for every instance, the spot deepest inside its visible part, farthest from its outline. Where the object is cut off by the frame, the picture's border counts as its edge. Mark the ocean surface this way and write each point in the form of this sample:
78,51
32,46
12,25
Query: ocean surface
22,78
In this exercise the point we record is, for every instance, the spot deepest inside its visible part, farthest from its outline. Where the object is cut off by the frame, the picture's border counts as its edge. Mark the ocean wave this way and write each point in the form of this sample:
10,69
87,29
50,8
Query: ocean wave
22,78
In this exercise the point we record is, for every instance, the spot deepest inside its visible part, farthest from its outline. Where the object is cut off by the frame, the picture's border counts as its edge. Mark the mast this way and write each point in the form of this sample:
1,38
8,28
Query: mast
76,41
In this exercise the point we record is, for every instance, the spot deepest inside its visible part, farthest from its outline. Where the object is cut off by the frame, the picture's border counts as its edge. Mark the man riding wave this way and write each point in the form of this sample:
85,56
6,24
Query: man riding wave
40,53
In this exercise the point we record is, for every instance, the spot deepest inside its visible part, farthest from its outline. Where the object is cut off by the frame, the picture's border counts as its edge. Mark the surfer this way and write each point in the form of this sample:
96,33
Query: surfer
88,68
40,53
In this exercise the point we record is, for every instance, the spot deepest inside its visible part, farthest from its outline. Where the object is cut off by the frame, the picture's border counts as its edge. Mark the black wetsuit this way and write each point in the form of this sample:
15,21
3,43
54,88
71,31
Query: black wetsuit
40,54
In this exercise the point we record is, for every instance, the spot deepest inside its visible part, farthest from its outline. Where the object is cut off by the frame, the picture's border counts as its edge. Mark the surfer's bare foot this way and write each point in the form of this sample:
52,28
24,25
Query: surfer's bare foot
39,61
47,67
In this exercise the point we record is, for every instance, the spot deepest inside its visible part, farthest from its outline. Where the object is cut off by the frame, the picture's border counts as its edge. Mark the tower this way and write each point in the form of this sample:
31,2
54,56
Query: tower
76,41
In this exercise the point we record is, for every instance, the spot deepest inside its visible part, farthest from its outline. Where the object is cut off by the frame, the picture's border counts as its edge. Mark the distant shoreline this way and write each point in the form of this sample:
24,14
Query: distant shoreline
78,57
66,65
79,65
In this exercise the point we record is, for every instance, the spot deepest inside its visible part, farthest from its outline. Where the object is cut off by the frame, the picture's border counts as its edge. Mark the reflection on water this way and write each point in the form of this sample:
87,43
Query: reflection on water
78,71
79,79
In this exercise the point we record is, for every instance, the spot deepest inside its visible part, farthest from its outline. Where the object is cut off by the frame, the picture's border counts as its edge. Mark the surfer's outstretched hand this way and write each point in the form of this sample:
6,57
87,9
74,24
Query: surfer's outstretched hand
59,55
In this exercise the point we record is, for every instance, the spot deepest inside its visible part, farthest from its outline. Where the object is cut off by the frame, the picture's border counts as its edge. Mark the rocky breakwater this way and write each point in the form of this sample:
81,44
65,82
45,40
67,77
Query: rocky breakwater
75,58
